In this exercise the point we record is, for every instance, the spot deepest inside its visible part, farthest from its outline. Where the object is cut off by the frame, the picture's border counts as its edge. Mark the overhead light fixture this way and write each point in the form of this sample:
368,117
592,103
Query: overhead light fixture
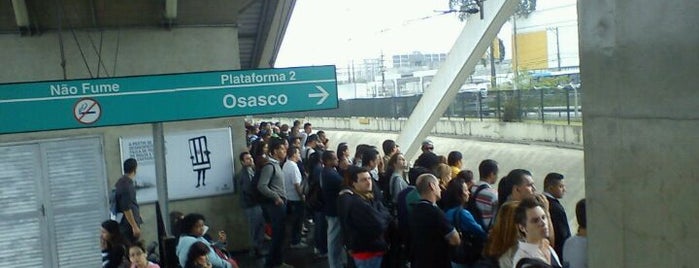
171,9
21,16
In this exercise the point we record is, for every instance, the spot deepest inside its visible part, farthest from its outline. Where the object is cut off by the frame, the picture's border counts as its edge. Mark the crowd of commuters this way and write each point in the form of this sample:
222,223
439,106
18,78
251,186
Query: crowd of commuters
369,209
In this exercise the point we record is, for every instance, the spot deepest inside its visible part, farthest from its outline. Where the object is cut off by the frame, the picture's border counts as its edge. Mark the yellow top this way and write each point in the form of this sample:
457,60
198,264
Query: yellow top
455,171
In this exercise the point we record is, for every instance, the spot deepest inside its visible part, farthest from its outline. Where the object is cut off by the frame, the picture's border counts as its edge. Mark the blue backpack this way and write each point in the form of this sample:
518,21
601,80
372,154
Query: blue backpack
114,212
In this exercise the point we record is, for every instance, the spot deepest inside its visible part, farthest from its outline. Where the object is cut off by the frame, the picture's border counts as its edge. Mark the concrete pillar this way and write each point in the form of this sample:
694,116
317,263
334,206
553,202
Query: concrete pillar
639,63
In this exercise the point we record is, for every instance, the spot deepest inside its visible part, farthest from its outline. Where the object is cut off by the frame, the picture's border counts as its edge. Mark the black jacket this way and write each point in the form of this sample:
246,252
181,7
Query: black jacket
244,182
560,225
363,222
331,184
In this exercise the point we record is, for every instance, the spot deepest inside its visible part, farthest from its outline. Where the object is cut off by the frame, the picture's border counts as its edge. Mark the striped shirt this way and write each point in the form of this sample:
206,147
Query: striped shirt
486,201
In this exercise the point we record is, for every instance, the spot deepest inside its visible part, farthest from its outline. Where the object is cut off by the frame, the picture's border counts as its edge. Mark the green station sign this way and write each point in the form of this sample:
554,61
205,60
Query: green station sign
69,104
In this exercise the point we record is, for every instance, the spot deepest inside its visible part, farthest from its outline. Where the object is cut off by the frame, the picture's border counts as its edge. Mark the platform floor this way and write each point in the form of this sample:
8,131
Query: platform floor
295,257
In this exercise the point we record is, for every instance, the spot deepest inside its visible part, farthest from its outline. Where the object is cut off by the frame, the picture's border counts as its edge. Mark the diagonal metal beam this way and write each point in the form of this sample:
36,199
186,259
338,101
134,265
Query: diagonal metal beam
472,43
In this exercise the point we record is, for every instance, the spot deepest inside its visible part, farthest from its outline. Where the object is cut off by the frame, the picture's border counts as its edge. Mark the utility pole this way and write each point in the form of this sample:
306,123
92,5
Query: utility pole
515,62
493,79
382,68
558,50
354,79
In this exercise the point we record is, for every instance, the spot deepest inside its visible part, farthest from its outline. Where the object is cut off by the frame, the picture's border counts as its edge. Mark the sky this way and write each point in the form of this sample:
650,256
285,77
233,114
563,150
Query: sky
323,32
336,32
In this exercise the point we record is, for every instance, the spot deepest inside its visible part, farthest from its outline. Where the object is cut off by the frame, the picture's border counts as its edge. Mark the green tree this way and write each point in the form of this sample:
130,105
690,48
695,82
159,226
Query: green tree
525,7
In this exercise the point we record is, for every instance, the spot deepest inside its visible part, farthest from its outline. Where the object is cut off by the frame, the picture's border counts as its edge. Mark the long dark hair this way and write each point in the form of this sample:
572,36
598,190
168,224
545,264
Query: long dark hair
197,250
465,175
454,194
257,152
390,166
115,237
341,149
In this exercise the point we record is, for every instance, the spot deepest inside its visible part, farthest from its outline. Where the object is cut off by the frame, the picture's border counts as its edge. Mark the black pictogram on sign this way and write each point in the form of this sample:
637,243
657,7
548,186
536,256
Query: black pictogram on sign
87,111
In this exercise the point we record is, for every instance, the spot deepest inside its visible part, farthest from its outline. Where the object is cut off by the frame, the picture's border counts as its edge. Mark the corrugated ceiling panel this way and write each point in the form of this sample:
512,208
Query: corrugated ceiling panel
246,46
207,12
248,20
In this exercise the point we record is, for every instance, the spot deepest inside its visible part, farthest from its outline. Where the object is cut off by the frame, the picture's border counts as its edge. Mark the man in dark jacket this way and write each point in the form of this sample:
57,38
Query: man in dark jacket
363,218
331,183
252,210
554,189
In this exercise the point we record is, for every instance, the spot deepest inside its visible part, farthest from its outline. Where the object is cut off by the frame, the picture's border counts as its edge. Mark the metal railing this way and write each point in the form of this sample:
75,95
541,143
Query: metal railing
561,105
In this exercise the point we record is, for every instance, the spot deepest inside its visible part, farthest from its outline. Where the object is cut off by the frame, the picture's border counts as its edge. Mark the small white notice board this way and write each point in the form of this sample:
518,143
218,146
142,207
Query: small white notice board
198,164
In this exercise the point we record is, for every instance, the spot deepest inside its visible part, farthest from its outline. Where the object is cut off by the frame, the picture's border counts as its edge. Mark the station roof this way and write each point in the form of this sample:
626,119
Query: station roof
261,23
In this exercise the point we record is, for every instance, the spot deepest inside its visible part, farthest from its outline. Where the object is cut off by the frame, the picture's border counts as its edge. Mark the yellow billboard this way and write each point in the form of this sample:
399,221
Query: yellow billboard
532,51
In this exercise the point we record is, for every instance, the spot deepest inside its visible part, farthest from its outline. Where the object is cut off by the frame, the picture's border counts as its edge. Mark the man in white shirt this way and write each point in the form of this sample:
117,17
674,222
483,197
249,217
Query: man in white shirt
294,195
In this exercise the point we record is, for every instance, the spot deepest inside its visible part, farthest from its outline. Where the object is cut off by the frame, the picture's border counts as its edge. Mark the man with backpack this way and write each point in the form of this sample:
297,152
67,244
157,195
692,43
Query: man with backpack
252,210
126,203
484,198
273,199
315,203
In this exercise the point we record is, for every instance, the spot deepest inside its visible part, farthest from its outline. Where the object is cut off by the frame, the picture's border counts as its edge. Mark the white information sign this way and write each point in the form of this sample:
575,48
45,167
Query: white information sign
198,164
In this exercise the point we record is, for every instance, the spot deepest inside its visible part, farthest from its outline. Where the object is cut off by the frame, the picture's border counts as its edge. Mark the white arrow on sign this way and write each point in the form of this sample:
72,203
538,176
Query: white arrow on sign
323,95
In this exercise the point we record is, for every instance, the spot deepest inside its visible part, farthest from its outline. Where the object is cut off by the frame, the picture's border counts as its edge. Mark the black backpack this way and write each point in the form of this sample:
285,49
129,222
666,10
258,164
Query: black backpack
472,207
312,160
471,247
314,199
385,187
255,193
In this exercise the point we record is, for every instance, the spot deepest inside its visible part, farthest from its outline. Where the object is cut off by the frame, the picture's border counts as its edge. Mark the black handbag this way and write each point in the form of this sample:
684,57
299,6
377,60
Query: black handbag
471,246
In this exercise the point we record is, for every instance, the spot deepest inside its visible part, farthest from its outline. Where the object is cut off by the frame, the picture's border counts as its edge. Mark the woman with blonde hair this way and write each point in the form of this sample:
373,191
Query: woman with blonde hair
504,237
443,173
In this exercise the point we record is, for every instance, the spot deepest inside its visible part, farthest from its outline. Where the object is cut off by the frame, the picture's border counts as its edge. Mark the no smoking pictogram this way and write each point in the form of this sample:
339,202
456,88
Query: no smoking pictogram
87,111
